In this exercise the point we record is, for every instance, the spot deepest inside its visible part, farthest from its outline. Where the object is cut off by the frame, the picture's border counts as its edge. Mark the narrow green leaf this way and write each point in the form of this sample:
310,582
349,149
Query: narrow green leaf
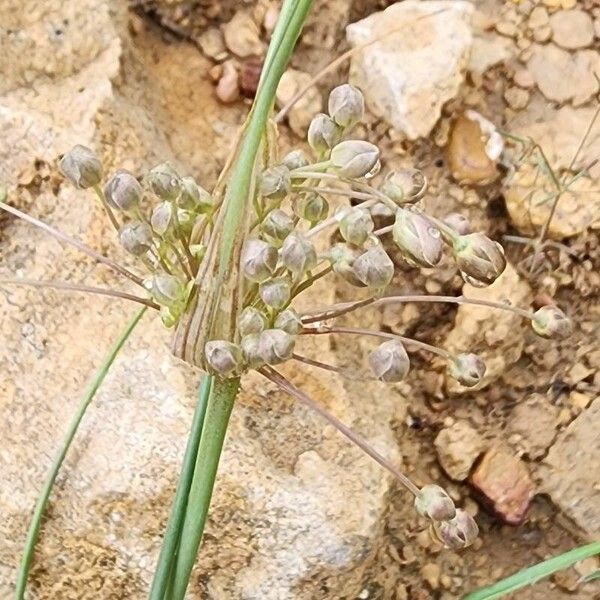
38,512
533,574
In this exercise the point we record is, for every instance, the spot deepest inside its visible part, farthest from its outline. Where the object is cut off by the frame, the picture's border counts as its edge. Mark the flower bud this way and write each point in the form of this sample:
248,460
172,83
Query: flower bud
342,259
467,369
258,260
167,290
81,167
458,223
164,181
434,503
186,219
289,321
275,293
419,241
275,182
457,533
222,356
389,361
136,237
549,321
250,345
480,260
346,105
298,254
275,346
323,133
295,160
123,191
354,158
278,224
193,197
163,219
251,320
312,207
404,186
356,226
374,268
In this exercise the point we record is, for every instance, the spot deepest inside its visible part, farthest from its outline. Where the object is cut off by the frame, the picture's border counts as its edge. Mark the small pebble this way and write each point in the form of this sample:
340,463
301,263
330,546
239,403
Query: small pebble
516,97
228,90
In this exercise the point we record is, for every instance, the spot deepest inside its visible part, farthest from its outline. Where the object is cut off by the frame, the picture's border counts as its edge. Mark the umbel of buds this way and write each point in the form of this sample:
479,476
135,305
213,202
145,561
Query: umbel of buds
81,167
433,502
374,268
251,320
456,533
289,321
164,181
418,240
468,369
123,191
323,134
549,321
258,260
136,237
223,357
354,158
275,182
275,346
346,105
356,226
298,254
389,361
276,292
480,260
404,186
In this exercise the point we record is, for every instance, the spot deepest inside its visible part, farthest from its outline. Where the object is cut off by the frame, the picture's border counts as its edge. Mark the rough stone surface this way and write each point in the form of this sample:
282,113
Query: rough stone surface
504,482
306,108
242,35
408,76
568,475
572,29
494,335
532,425
489,50
458,447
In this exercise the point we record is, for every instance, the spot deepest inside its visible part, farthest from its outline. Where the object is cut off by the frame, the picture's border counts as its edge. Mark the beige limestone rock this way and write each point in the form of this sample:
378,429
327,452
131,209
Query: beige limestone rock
458,447
572,29
532,425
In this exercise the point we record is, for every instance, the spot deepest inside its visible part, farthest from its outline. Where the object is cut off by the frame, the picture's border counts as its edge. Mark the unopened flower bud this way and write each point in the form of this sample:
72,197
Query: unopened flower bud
136,237
123,191
323,133
356,226
167,290
354,158
193,197
458,223
276,293
346,105
418,240
480,260
163,219
549,321
389,361
186,219
295,160
434,503
250,345
81,167
222,356
275,182
298,254
275,346
342,259
164,181
258,260
404,186
312,207
457,533
374,268
251,320
467,368
289,321
278,224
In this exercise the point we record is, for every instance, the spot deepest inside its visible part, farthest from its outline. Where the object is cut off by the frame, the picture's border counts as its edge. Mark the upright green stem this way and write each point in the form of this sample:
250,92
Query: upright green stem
40,507
220,404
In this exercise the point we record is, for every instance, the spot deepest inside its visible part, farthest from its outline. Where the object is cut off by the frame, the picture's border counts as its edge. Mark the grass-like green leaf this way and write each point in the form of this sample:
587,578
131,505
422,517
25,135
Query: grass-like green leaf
533,574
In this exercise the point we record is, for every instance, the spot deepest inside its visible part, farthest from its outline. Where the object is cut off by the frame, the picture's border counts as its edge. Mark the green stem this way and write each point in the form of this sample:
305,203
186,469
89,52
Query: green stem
36,520
220,404
172,534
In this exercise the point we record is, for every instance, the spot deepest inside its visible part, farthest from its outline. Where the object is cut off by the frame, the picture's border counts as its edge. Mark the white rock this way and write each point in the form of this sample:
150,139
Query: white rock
488,50
458,447
408,76
572,29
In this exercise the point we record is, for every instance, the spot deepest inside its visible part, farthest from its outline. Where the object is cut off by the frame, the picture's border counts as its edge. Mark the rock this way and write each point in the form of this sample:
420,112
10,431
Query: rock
505,484
572,29
306,108
242,35
538,18
409,75
516,98
526,192
494,335
489,50
569,473
458,447
212,44
523,78
228,89
562,76
533,424
430,573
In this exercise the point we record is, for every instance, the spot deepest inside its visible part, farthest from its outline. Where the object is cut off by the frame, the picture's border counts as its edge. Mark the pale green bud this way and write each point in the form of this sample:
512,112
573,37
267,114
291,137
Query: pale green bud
276,293
312,207
342,259
346,105
193,197
458,223
433,502
163,219
251,320
223,357
374,268
258,260
167,290
389,361
275,182
457,533
298,254
549,321
275,346
418,240
136,237
404,186
81,167
467,368
250,345
123,191
289,321
354,158
278,224
295,160
164,181
356,226
480,260
323,133
186,219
